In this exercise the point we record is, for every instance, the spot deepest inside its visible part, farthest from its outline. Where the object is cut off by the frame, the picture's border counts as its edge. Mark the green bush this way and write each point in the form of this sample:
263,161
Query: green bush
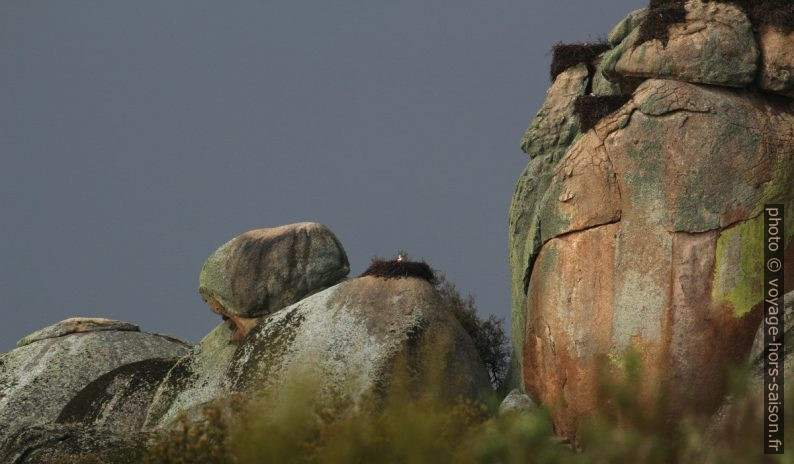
488,334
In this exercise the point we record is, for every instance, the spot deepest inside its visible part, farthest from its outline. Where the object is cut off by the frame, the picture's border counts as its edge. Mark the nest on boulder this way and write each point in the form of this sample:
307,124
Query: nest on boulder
394,269
568,55
775,13
664,13
592,109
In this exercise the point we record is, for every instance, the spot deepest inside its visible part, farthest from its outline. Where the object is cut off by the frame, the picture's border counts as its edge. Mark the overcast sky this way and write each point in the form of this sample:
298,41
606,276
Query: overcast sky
138,136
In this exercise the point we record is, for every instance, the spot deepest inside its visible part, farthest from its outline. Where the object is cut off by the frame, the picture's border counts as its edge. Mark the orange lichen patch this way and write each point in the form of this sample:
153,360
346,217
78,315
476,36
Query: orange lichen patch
242,325
569,323
575,328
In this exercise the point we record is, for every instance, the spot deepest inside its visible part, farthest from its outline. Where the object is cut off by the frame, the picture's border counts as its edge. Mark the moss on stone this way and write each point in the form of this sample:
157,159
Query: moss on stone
738,269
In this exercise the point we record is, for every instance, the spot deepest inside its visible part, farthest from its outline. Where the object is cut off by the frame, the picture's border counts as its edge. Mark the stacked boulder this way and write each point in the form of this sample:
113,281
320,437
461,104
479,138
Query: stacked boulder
637,225
289,312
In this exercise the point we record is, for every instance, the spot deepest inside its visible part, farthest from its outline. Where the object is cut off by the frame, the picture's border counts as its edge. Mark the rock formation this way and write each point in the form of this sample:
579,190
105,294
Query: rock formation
643,233
289,315
51,366
264,270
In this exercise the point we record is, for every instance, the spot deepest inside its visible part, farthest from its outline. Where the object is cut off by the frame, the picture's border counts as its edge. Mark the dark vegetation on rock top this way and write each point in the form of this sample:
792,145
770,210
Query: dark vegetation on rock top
664,13
568,55
592,109
394,269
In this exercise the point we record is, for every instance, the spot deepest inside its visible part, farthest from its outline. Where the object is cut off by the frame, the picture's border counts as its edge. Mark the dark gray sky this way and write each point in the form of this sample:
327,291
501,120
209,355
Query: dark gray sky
138,136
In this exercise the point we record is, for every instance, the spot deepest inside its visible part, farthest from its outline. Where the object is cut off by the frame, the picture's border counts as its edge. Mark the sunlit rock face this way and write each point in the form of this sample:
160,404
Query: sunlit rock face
643,234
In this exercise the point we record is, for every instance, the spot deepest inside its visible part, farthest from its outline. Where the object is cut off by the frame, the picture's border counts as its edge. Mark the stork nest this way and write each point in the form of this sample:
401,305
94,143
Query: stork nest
662,14
568,55
393,269
592,109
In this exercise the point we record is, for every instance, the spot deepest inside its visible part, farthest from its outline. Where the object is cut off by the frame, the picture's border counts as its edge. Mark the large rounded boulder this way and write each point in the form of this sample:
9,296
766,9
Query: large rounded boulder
264,270
51,366
348,339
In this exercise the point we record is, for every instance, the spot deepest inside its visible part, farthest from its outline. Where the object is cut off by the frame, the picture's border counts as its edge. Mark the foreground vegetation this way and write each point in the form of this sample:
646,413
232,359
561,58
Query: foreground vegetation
430,428
411,425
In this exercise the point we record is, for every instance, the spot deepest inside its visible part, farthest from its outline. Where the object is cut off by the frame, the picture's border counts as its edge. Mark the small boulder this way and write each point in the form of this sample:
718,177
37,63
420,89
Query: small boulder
264,270
712,44
517,402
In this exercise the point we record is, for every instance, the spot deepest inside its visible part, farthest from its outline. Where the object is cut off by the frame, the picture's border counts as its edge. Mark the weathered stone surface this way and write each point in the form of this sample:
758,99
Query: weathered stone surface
649,240
555,125
347,339
78,325
118,400
517,402
777,61
196,379
552,131
264,270
715,45
51,443
38,379
601,86
624,28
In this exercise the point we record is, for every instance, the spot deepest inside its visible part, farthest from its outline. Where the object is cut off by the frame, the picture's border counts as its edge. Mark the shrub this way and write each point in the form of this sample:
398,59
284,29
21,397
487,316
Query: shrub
488,335
425,428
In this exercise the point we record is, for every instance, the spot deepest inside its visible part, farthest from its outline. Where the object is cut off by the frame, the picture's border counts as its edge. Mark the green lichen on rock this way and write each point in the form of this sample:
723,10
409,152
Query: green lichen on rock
194,380
628,24
738,269
554,129
714,45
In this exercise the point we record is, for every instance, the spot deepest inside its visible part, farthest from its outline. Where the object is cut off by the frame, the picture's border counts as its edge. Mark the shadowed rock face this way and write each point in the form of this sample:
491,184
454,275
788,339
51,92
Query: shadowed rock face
731,419
48,443
39,378
348,338
118,400
264,270
777,60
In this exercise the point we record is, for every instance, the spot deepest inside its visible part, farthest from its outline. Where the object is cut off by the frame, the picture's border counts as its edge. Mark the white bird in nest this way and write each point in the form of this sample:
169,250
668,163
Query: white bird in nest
400,257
